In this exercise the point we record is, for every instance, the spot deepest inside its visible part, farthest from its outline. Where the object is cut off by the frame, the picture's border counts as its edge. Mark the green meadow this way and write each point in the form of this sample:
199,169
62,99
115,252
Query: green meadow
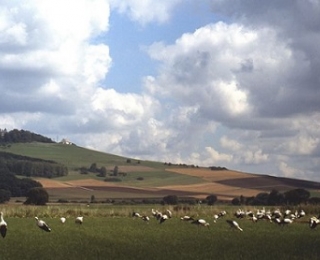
75,157
110,232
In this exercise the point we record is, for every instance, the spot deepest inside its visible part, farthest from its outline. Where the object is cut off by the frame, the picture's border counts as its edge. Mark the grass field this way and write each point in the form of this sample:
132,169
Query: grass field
109,232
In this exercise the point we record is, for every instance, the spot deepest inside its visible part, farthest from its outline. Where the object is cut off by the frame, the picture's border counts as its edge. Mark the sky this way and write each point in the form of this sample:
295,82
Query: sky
230,83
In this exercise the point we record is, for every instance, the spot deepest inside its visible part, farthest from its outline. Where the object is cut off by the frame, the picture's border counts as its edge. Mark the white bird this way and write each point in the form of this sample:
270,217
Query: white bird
313,222
169,213
286,221
136,215
145,218
215,218
3,226
222,213
154,212
43,225
254,219
62,220
79,220
201,222
187,218
163,218
234,224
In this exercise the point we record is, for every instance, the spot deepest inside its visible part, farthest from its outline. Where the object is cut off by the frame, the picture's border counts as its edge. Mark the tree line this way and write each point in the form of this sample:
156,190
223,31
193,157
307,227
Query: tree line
21,136
28,166
275,197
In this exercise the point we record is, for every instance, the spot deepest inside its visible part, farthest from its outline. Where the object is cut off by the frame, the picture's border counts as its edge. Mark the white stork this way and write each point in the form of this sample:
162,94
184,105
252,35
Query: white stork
313,222
215,218
43,225
3,226
286,221
136,215
200,222
234,224
186,218
163,218
79,220
169,213
145,218
63,220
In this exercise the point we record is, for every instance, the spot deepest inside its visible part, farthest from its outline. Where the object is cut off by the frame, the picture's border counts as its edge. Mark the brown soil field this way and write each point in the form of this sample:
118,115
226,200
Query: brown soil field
210,175
224,184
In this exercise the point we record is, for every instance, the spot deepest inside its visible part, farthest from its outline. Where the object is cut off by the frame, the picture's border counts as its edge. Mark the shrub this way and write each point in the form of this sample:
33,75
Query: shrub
170,200
37,196
211,199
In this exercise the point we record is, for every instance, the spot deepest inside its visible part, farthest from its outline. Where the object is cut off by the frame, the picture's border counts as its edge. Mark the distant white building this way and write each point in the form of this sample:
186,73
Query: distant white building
66,141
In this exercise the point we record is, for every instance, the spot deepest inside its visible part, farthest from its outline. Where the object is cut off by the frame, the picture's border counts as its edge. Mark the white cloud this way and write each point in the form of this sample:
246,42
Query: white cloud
301,144
146,11
49,52
217,157
230,144
220,66
122,110
287,171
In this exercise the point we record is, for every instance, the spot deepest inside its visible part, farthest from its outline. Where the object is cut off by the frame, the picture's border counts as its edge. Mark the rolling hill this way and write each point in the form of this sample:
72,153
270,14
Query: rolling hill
145,179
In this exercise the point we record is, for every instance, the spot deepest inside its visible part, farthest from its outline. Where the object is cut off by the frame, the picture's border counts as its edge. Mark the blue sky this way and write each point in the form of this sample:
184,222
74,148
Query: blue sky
227,83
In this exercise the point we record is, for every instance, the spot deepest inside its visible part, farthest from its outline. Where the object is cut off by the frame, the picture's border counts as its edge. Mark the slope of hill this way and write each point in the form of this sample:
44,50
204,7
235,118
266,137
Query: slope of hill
144,179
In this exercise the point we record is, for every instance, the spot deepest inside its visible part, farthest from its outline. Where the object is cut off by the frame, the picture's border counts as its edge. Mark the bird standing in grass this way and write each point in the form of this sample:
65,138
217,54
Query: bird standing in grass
62,220
186,218
145,218
136,215
43,225
163,218
79,220
234,224
200,222
3,226
313,222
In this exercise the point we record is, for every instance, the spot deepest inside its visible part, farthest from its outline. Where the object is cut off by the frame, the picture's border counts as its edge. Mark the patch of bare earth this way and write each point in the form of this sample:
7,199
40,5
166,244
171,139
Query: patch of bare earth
49,183
215,183
210,175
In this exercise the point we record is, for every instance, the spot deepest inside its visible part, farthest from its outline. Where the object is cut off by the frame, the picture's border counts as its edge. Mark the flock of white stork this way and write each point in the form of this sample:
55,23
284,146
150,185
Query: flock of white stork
163,216
275,216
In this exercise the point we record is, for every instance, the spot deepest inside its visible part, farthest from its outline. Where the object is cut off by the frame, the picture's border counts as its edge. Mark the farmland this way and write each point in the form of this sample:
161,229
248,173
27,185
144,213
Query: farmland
145,179
109,232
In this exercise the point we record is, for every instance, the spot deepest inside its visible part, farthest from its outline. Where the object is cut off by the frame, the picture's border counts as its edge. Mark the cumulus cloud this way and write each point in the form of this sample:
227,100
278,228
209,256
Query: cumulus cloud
48,55
223,67
146,11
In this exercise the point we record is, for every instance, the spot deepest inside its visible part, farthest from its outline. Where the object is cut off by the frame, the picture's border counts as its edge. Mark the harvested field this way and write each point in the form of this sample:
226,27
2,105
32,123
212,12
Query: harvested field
220,190
225,184
210,175
50,183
